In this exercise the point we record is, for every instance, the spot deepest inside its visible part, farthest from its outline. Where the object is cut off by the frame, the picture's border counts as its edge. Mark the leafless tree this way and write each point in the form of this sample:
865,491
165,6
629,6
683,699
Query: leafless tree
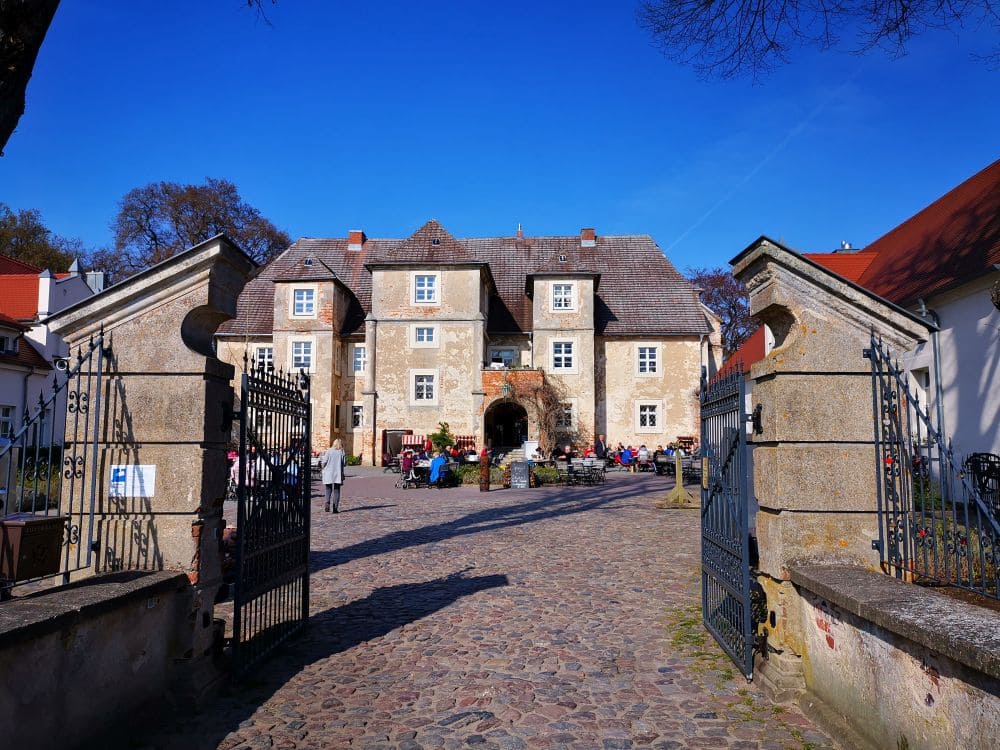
159,220
734,37
727,298
24,236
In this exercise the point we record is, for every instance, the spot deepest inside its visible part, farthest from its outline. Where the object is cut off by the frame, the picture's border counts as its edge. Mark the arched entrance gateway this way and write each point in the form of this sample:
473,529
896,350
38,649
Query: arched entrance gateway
506,424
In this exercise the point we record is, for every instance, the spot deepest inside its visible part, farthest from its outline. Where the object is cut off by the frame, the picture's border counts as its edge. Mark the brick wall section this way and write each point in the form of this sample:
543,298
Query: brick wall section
525,382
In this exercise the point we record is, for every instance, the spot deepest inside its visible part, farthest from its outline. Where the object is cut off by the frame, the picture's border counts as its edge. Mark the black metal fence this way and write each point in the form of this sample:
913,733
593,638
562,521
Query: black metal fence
49,472
936,521
725,519
271,597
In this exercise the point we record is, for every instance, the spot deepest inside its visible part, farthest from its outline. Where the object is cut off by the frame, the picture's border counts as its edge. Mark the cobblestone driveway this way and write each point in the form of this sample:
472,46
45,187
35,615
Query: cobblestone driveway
551,618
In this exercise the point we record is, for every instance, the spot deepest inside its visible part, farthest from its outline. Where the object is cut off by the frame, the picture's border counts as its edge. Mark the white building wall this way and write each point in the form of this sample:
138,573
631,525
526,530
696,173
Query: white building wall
969,344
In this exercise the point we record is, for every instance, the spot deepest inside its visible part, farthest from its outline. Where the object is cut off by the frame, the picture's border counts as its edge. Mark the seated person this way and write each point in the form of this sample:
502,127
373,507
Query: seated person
438,469
626,458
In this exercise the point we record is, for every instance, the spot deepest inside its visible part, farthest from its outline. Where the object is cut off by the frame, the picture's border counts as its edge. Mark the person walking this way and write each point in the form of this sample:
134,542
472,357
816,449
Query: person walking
601,447
333,463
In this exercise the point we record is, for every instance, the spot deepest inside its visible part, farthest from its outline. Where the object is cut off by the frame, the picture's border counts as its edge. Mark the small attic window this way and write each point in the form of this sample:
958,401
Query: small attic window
307,262
435,241
562,258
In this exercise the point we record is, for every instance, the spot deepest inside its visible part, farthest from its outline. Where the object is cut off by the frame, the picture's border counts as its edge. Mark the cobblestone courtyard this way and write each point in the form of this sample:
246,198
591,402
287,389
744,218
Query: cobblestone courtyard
549,618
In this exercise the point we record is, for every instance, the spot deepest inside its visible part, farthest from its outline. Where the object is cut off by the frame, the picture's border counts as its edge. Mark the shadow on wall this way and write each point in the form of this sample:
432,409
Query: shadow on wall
127,529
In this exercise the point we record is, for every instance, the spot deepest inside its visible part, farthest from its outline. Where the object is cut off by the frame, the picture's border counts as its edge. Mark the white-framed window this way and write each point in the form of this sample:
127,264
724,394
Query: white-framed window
424,387
360,358
304,302
263,357
564,416
6,421
301,354
562,296
505,357
357,415
562,356
8,344
647,360
424,336
649,416
426,288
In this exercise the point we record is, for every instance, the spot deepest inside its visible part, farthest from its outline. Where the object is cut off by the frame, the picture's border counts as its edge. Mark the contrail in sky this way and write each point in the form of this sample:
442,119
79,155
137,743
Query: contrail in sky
767,158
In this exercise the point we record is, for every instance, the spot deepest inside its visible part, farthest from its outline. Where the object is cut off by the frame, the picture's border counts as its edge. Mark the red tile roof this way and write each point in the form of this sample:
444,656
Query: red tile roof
640,291
952,241
19,295
849,265
13,265
750,352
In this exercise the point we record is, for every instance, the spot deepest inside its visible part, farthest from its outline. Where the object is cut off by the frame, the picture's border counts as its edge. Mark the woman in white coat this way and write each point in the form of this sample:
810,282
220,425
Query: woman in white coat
333,463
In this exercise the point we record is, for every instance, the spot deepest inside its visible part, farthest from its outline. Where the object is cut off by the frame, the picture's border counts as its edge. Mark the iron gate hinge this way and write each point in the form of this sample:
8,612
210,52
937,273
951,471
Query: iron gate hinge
876,545
866,353
755,420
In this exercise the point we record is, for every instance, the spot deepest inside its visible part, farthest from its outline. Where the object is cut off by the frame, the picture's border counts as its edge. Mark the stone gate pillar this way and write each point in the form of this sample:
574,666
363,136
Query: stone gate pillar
166,414
814,463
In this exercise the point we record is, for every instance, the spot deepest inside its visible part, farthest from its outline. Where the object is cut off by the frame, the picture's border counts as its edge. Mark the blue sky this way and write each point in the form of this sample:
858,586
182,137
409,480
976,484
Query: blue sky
382,115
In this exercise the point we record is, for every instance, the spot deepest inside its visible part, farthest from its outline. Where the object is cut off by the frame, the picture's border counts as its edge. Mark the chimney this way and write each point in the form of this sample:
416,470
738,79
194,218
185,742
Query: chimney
45,282
587,237
520,232
355,239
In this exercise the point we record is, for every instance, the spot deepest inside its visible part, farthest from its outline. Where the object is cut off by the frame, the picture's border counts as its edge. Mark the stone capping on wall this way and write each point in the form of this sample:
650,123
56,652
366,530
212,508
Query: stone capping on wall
31,617
964,632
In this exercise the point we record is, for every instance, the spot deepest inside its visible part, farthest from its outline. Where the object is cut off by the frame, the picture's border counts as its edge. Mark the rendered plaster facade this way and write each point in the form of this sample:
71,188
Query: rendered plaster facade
431,326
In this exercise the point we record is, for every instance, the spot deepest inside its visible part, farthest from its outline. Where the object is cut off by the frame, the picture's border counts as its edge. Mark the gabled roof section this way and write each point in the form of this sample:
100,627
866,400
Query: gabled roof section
953,241
311,269
13,265
432,244
851,266
641,293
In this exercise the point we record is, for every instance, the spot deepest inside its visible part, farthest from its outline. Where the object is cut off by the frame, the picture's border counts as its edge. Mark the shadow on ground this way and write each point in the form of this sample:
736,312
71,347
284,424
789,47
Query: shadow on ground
569,501
329,632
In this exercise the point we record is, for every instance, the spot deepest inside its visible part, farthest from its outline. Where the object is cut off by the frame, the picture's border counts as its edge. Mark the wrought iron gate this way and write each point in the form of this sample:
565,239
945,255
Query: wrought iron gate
271,597
725,523
49,467
938,519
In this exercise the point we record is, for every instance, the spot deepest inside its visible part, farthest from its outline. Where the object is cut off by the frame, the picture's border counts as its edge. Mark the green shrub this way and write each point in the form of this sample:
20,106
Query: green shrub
468,474
546,475
353,460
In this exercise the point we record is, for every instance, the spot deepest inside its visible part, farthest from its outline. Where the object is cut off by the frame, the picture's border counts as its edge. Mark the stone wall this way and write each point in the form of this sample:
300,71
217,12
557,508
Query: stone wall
903,666
80,661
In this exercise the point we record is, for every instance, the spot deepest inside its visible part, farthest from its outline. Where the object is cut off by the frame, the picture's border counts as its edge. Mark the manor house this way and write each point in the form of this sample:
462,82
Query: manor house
504,338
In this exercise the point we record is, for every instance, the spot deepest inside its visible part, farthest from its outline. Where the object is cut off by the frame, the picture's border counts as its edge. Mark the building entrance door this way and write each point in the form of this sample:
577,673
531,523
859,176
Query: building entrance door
506,424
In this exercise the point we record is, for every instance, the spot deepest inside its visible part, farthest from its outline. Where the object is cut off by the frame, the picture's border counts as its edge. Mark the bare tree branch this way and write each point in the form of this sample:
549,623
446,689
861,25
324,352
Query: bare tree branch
738,37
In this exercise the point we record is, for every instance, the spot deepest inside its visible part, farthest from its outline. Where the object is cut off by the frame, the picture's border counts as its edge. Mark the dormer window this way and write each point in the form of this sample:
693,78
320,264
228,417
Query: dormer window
562,258
435,241
8,344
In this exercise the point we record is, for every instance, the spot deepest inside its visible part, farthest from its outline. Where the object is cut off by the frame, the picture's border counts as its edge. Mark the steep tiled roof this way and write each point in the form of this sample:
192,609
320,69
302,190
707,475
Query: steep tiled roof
750,352
851,266
19,295
640,291
951,242
431,244
13,265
